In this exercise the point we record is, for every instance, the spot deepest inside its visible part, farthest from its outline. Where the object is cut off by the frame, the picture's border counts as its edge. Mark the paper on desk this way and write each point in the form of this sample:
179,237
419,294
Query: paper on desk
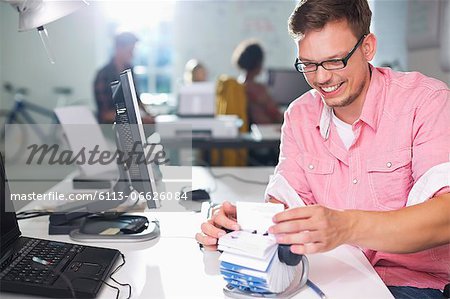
280,189
253,216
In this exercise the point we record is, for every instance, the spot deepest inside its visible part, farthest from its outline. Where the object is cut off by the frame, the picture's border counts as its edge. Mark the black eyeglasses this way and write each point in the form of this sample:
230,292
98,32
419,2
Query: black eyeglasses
331,65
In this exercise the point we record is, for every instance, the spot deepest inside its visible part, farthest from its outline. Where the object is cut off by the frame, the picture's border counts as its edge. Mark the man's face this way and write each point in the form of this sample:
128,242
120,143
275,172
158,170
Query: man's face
339,88
125,53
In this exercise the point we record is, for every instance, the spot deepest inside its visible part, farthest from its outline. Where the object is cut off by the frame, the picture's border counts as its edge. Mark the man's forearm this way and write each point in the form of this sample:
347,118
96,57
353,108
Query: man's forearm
407,230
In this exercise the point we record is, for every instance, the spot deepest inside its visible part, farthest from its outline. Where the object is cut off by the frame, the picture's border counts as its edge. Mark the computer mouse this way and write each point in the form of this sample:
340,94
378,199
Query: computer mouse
197,195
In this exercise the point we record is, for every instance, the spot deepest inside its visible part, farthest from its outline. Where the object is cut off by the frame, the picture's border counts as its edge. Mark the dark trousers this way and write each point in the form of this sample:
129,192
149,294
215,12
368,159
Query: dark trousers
415,293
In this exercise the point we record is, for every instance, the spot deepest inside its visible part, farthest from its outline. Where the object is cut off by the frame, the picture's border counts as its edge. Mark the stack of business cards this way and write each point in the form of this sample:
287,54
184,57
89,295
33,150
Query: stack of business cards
250,260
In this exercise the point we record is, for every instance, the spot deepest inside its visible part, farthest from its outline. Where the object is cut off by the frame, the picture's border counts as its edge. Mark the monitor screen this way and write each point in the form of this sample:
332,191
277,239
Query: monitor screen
130,138
286,85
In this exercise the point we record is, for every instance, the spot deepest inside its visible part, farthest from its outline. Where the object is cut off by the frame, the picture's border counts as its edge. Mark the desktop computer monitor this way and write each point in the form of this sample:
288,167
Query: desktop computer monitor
135,175
130,138
286,85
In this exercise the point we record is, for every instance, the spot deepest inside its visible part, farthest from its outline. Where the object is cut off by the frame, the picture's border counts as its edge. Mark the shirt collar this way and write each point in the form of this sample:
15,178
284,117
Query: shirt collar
373,104
325,121
371,110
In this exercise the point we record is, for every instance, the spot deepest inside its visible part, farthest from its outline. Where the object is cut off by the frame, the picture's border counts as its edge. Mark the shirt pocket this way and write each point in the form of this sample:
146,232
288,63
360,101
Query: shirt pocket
318,173
390,179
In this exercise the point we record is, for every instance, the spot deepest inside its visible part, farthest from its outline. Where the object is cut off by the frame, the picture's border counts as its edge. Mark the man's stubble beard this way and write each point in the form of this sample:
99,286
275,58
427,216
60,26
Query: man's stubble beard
351,98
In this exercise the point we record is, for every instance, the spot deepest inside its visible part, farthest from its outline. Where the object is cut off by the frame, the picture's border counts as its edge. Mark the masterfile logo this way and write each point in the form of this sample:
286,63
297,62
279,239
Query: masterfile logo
54,155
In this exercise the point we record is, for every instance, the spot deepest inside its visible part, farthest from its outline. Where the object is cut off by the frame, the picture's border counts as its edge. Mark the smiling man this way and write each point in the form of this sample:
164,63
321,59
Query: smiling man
367,150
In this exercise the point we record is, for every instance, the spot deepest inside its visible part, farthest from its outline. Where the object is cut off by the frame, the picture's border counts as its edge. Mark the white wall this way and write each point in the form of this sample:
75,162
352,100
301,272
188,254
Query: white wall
24,62
390,24
427,62
209,31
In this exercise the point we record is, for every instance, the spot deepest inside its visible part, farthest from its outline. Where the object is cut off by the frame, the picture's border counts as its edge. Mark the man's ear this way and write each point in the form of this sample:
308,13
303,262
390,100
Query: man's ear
369,46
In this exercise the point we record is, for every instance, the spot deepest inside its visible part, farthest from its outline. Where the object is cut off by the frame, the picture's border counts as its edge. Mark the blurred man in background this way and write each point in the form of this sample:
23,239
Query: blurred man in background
124,44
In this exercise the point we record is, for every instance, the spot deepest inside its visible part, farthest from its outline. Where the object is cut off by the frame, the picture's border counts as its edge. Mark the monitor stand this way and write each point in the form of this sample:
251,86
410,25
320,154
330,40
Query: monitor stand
118,226
85,224
100,228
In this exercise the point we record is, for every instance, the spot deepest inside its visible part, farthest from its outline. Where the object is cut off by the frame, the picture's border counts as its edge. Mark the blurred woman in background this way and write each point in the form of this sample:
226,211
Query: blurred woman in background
262,109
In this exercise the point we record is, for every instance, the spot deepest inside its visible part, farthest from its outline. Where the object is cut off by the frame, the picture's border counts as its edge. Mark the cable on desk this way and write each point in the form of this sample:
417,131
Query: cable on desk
219,176
117,269
107,214
316,289
98,279
112,278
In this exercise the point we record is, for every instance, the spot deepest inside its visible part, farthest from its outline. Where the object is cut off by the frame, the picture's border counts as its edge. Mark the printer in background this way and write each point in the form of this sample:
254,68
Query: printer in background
220,126
197,99
196,115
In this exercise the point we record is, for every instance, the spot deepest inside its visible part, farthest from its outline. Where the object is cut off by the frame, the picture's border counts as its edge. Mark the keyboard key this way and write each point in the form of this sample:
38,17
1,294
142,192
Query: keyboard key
25,264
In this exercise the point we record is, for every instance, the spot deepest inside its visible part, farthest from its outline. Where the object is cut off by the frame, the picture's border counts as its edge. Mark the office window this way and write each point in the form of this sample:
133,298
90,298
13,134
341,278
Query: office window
152,22
153,59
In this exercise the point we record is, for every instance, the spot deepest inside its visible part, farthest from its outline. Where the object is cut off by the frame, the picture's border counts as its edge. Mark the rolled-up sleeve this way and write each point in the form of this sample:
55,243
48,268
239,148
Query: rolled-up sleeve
288,166
431,144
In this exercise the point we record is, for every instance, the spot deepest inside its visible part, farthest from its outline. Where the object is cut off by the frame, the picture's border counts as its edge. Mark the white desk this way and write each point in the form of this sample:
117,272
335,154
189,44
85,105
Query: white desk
174,267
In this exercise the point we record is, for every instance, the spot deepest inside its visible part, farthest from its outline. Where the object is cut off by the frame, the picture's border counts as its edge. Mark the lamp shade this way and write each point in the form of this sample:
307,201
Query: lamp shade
36,13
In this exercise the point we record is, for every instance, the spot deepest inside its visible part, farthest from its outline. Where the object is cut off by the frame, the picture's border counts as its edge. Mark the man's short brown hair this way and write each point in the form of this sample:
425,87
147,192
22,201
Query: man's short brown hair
315,14
125,39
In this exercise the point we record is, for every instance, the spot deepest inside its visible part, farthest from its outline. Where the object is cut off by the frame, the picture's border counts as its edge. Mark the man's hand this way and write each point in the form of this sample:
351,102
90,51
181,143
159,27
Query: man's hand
311,229
223,217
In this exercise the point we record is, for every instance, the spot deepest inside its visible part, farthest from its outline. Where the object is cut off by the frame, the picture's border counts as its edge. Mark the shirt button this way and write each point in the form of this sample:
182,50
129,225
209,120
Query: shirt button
389,164
355,181
311,166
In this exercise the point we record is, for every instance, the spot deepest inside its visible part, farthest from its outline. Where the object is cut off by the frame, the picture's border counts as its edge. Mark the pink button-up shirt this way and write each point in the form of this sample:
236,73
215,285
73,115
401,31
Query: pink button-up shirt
403,131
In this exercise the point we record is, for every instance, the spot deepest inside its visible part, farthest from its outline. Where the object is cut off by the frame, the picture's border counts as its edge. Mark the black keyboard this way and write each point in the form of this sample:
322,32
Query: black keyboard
39,262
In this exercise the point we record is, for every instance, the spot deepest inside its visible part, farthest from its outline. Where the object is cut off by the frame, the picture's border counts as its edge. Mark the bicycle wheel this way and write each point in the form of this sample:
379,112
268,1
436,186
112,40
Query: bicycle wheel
12,138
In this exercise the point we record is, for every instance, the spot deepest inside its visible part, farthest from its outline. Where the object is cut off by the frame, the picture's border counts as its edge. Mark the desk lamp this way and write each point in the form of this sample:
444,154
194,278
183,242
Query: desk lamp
37,13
